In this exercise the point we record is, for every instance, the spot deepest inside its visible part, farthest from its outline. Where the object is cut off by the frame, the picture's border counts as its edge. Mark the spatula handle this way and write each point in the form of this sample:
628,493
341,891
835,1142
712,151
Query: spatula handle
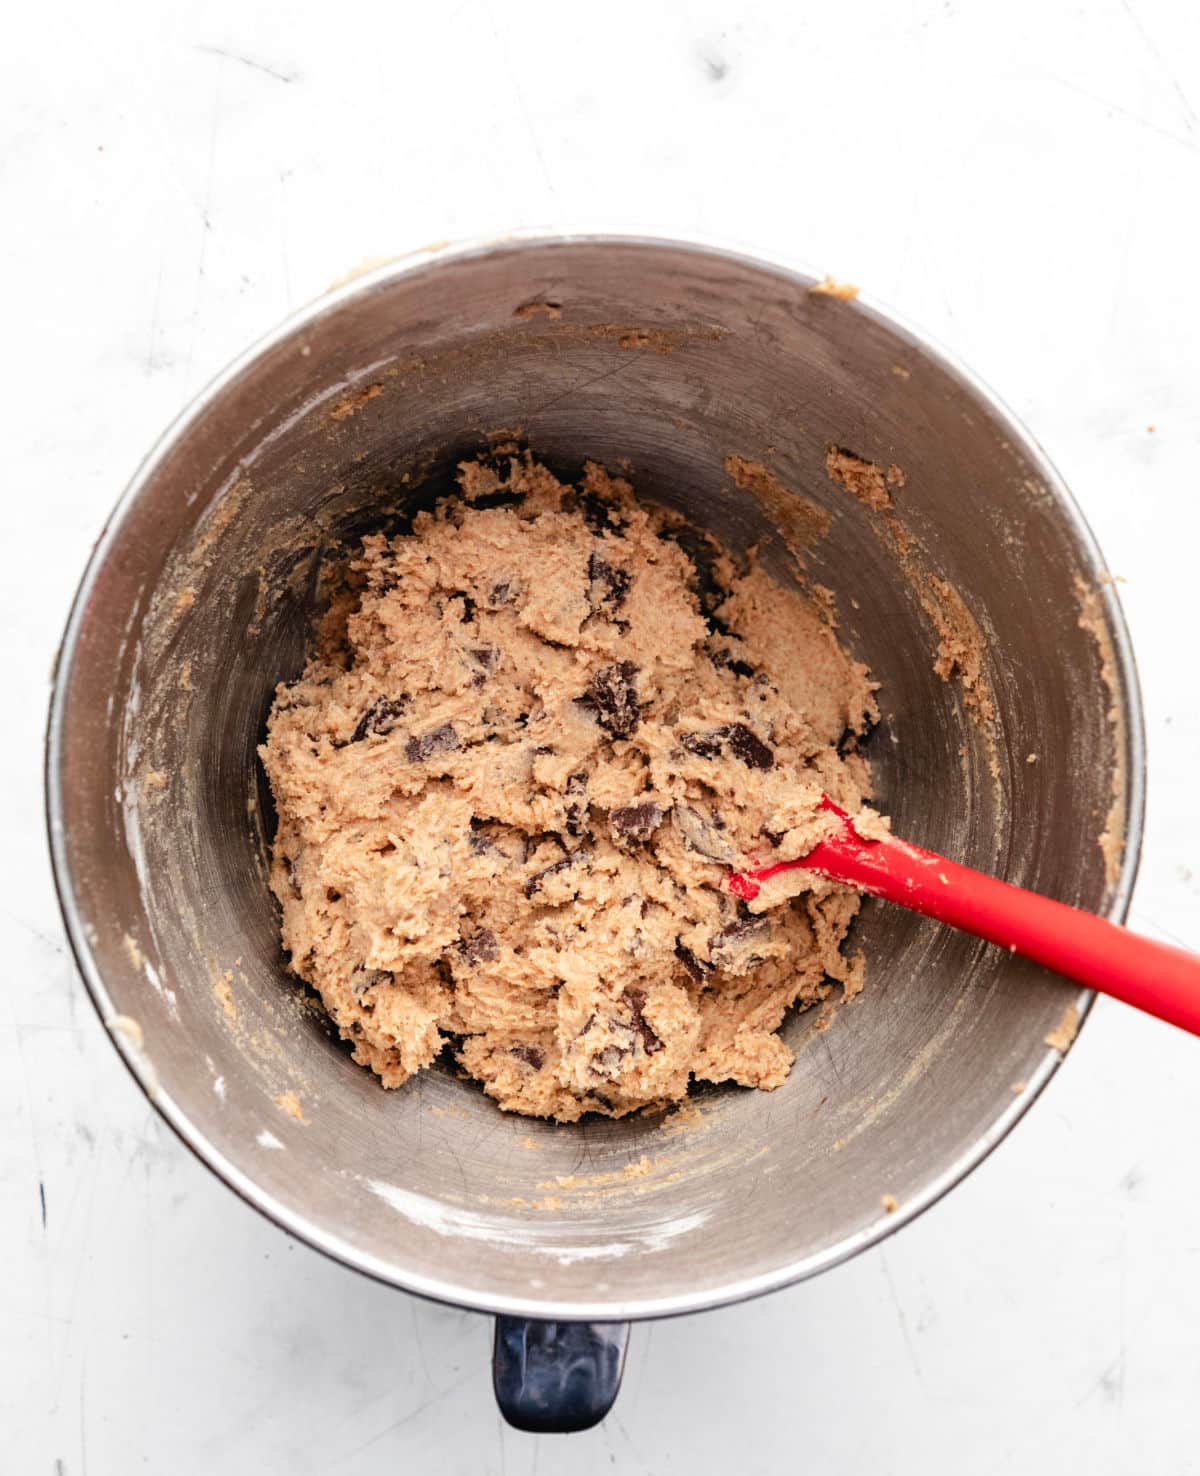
1151,976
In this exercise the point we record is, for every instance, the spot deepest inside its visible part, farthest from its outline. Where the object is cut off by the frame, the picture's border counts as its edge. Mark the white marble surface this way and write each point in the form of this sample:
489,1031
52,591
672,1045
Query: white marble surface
1022,179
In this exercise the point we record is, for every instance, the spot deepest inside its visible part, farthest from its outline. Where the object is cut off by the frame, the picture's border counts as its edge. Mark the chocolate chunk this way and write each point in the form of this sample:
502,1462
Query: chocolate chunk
696,967
703,745
636,1000
479,947
735,946
486,659
636,822
381,717
468,605
442,739
577,807
534,883
479,843
532,1055
724,660
702,836
501,593
608,1062
748,747
741,742
608,583
617,1041
612,694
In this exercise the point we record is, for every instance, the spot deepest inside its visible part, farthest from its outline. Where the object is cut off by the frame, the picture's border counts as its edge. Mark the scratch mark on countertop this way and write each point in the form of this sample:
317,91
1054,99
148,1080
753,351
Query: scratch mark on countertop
153,363
416,1327
248,61
1127,113
902,1317
42,1200
83,1461
54,944
407,1418
513,74
205,227
1189,114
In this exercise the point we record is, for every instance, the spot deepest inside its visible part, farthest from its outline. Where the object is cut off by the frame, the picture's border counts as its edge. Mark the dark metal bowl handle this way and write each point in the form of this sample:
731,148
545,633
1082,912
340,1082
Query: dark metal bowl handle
555,1377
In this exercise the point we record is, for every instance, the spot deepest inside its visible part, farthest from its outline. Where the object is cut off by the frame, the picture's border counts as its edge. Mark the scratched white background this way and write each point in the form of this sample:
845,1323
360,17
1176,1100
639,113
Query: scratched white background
1021,178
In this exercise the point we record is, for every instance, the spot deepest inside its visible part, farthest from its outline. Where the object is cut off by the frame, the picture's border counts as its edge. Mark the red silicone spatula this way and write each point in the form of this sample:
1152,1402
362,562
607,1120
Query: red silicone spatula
1154,977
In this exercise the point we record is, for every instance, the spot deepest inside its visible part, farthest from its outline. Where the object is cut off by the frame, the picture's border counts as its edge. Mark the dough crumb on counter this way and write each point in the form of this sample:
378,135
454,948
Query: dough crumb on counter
536,735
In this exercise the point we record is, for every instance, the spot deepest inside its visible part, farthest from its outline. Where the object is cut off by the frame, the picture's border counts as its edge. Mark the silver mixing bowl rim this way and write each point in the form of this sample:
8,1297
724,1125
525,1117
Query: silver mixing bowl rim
414,264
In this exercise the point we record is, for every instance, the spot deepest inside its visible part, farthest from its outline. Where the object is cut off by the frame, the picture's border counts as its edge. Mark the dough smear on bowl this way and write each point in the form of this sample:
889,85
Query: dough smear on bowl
537,733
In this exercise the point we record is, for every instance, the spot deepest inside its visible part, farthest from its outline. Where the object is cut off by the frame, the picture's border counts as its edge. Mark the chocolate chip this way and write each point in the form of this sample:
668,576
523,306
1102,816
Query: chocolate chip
442,739
468,604
741,742
534,883
636,1000
500,593
608,583
724,660
696,967
479,947
703,745
532,1055
577,808
734,947
620,1041
381,717
486,659
636,822
608,1061
748,747
612,694
479,843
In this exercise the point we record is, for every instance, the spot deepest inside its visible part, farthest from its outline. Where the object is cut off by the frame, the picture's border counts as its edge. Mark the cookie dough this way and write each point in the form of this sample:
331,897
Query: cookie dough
537,733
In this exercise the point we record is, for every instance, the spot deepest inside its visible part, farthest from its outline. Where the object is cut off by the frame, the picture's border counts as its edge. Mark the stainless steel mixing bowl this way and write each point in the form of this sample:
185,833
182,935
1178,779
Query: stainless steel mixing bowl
199,598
